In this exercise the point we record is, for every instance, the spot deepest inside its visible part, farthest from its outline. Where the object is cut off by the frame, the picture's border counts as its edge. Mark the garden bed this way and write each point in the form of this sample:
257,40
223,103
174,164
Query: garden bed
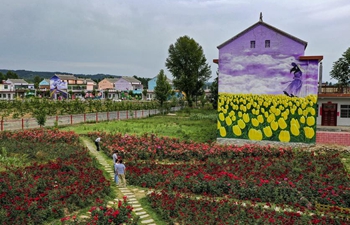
58,178
223,177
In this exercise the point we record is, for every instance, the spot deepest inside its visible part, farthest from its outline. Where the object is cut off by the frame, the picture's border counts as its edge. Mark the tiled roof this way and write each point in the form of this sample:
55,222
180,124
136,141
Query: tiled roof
17,81
268,26
66,76
112,80
131,79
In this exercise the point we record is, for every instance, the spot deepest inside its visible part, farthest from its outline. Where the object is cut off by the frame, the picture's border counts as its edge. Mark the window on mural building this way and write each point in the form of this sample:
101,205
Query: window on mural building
267,43
345,111
252,44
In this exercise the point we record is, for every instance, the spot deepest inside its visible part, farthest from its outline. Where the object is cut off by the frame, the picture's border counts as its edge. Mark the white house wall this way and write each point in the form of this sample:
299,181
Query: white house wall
339,102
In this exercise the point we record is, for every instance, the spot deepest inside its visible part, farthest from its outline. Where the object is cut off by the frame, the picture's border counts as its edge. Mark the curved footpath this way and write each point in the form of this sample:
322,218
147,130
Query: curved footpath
131,198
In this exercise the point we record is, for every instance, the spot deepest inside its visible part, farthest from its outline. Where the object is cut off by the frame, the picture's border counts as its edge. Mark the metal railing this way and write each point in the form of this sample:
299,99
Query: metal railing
335,89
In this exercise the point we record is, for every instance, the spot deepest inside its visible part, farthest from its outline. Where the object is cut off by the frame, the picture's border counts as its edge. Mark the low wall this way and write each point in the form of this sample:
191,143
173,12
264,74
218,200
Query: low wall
329,137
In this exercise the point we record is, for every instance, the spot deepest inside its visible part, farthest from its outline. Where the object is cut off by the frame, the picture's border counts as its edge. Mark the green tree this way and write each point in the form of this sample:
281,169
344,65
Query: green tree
144,92
94,92
105,93
11,75
37,80
130,94
162,89
187,64
2,77
144,81
70,92
83,93
40,115
341,69
214,93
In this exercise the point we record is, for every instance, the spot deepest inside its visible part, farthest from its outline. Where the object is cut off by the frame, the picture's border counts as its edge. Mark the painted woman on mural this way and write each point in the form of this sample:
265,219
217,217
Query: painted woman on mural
293,89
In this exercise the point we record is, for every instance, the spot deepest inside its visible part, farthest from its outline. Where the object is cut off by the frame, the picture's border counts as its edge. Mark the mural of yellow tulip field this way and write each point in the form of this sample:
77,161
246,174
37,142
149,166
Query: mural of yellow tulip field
267,117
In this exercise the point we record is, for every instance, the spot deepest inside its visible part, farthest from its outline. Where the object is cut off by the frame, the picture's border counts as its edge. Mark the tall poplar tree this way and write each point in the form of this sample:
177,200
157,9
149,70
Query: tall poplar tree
162,89
188,65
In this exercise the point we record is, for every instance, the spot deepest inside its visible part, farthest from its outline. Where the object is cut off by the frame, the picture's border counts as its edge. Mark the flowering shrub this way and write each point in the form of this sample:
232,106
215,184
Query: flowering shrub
184,209
282,176
41,135
101,214
40,144
42,192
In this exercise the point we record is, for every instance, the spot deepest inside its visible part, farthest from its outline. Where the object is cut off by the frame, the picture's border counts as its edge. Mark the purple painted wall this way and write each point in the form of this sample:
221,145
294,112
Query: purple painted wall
123,85
264,70
265,91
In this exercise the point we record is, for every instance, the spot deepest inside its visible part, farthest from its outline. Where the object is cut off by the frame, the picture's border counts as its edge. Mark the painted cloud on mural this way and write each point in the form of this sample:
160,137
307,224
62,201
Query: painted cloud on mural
264,74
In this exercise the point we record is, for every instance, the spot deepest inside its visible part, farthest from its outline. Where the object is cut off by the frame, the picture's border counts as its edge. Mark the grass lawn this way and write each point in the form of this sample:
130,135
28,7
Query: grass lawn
196,125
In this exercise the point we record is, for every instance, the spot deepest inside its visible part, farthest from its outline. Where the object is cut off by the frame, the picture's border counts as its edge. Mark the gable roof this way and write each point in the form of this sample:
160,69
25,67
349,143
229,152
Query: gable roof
66,76
131,79
85,80
45,82
268,26
112,80
17,81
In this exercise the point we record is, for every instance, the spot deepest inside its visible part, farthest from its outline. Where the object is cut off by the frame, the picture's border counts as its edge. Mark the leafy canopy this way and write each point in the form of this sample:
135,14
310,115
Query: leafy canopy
214,90
187,64
341,69
162,89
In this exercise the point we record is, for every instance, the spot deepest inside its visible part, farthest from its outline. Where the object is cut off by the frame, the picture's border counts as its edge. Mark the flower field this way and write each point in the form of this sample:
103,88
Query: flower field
216,184
65,180
267,117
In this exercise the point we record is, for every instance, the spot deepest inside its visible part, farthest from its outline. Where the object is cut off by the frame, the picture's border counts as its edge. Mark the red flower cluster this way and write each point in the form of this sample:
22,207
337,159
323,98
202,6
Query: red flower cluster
262,175
41,192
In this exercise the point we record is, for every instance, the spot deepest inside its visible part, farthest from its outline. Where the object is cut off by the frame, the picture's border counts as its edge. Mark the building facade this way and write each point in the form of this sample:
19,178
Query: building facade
267,87
333,106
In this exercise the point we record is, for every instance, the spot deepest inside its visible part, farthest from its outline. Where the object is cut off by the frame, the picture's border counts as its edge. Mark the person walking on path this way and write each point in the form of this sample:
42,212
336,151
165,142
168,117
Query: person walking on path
116,171
97,143
115,156
120,169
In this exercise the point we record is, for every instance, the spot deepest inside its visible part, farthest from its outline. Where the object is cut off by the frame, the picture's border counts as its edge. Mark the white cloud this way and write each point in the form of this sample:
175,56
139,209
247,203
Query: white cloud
250,84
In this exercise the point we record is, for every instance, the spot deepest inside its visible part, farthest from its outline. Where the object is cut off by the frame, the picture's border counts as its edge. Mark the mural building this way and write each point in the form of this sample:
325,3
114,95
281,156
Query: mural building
267,87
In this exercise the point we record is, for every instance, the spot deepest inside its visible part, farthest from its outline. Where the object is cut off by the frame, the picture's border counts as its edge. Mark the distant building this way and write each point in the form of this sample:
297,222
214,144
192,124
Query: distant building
129,84
107,84
63,85
15,88
151,86
44,84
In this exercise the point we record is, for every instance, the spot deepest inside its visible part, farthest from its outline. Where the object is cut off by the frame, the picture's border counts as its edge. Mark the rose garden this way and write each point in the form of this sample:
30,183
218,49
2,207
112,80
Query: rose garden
190,182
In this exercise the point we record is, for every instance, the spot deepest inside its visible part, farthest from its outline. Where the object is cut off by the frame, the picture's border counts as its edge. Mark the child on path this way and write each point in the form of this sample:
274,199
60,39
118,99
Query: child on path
115,156
97,143
120,169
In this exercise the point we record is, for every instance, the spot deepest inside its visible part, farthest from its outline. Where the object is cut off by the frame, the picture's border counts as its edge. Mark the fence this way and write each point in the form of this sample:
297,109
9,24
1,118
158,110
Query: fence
16,124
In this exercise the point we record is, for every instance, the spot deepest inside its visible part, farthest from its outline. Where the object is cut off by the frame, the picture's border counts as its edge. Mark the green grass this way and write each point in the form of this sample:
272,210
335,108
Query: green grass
194,125
148,208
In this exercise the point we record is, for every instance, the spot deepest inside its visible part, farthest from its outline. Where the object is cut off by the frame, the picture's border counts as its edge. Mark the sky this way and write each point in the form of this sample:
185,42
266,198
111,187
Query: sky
132,37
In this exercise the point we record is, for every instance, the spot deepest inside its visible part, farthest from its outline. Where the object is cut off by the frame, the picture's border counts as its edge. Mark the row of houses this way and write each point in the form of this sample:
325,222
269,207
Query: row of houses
66,85
70,86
